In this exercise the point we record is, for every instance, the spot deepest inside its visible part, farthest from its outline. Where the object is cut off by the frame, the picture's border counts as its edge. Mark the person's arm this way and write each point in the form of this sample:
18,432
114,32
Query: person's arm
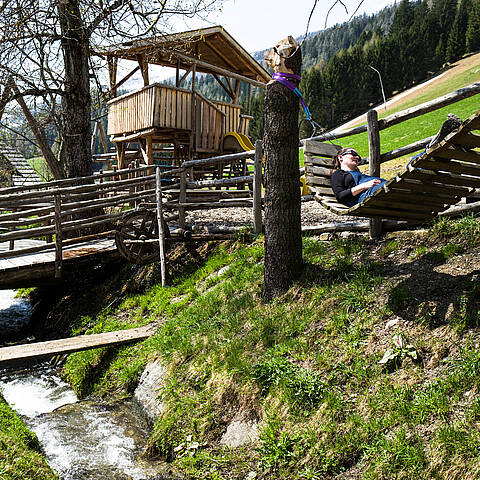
341,186
358,189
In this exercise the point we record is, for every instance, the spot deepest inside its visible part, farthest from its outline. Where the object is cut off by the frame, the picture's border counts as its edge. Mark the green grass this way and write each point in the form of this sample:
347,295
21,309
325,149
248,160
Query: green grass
307,365
20,456
40,166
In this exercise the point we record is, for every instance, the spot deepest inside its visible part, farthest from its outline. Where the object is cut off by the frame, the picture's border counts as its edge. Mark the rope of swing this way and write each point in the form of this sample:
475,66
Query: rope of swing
287,80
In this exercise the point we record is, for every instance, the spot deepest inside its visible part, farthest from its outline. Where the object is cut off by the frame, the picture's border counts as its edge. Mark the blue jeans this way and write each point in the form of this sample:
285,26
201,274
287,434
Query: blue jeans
359,178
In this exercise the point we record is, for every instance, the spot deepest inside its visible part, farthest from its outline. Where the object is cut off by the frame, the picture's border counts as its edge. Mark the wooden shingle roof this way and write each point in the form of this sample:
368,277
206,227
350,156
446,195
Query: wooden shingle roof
213,45
22,171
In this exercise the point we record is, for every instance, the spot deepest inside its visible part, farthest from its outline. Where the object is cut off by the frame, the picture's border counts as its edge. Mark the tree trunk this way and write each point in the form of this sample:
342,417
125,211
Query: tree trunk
283,235
76,98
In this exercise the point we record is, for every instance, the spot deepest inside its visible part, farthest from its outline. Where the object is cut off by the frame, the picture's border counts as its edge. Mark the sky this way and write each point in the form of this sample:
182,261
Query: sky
260,24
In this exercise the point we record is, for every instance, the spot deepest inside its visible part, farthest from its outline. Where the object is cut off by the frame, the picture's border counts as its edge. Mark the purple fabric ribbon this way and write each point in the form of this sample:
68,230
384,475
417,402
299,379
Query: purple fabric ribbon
284,79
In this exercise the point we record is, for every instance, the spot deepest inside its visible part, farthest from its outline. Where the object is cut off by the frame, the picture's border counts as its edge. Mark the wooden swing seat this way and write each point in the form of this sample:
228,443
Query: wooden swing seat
430,184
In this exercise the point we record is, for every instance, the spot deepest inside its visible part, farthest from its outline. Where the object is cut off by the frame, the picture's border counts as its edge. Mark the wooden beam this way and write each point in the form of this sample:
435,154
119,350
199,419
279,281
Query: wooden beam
103,137
185,75
112,74
34,351
219,55
213,68
374,162
40,137
427,107
413,112
236,91
144,69
227,90
124,79
406,150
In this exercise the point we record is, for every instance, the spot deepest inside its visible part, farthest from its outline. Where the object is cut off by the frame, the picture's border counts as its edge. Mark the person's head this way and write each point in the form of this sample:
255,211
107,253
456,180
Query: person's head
347,159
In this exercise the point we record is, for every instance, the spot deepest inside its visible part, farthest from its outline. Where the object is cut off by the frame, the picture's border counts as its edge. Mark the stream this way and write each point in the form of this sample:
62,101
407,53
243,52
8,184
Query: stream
82,440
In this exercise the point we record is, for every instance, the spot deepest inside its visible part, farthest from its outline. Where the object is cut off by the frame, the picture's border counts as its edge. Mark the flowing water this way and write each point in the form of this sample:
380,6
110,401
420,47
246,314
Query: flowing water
82,440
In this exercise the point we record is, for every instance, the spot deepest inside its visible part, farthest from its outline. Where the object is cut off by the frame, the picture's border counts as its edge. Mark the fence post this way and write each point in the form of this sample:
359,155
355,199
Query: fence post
161,231
11,244
58,237
257,188
374,163
182,197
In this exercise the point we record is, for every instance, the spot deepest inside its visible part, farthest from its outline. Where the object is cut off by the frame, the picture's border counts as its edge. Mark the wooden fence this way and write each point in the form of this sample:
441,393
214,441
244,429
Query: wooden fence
68,212
375,125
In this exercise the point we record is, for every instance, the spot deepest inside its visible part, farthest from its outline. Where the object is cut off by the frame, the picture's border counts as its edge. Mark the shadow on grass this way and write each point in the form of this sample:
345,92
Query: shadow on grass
435,298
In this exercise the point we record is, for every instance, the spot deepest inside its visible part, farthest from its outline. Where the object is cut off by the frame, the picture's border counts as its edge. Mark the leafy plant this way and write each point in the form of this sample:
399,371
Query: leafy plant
400,350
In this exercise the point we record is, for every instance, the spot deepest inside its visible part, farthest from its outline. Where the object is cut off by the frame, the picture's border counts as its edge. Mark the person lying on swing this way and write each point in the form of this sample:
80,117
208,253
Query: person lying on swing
349,184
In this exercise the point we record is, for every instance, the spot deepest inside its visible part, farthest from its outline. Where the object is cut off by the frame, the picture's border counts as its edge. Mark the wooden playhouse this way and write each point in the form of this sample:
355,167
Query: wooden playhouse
176,121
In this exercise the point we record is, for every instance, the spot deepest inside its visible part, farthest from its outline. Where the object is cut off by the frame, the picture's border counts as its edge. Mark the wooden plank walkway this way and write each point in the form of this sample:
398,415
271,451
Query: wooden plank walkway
36,351
38,268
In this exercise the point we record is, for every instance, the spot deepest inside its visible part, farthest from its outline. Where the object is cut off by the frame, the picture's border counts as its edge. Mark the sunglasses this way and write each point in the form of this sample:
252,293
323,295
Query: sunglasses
351,152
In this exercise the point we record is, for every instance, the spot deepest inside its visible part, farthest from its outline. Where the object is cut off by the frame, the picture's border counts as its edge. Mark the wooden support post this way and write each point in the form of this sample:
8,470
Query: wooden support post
103,137
58,237
257,188
374,163
193,135
161,230
143,68
112,72
93,141
11,245
120,155
182,197
236,91
149,150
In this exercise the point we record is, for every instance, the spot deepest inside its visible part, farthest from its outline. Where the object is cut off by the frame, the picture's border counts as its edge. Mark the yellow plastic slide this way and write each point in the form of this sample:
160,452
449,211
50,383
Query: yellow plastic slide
237,142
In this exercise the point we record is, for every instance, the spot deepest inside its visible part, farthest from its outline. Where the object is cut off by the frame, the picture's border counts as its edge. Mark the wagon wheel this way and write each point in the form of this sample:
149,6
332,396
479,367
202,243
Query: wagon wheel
136,236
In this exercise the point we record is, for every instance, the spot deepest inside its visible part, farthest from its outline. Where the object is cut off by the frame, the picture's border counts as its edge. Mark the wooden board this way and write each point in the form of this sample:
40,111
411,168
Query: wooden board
469,139
317,161
458,154
318,148
450,166
444,178
428,187
320,181
39,350
320,171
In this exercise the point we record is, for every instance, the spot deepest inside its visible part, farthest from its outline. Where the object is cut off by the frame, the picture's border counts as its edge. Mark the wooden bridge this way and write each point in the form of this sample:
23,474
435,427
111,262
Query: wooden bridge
50,231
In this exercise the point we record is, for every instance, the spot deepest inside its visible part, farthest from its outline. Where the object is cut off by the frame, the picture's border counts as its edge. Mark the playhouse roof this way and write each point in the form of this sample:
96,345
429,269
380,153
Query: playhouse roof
209,46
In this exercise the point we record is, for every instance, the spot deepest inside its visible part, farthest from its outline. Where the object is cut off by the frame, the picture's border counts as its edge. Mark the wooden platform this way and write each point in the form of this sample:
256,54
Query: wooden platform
37,351
37,269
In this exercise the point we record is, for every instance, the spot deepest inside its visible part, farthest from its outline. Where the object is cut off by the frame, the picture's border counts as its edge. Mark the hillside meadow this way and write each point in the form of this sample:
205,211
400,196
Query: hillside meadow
368,367
464,73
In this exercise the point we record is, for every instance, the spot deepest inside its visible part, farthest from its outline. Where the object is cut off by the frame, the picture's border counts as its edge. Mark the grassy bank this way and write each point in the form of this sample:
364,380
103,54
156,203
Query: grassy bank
20,456
367,368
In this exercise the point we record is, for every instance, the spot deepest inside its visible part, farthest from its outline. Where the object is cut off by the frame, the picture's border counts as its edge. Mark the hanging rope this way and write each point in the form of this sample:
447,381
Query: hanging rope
286,80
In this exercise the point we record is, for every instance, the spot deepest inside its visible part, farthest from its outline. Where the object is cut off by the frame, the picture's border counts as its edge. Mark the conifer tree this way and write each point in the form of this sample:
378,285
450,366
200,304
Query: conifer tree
472,36
456,39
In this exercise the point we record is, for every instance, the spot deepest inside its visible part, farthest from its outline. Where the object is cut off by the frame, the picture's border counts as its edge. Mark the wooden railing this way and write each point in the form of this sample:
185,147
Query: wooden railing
165,107
154,106
375,125
402,116
73,211
235,121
